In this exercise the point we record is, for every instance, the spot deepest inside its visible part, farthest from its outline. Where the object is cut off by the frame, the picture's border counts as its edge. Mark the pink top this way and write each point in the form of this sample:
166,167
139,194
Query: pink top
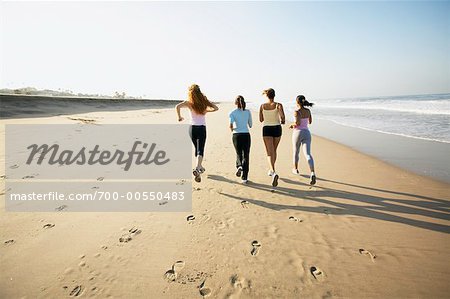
197,119
303,124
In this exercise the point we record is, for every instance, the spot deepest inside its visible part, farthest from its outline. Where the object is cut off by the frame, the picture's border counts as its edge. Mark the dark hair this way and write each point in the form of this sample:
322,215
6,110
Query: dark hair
301,100
270,93
240,102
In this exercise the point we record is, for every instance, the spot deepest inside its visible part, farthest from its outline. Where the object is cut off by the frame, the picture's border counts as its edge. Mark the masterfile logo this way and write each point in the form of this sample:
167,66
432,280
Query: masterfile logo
148,155
84,151
85,167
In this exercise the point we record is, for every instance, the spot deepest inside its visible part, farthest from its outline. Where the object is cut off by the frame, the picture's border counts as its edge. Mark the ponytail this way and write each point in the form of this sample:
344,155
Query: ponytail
240,102
301,100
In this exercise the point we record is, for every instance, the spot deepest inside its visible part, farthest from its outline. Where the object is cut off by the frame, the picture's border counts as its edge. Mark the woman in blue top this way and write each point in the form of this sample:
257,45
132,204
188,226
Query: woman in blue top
240,121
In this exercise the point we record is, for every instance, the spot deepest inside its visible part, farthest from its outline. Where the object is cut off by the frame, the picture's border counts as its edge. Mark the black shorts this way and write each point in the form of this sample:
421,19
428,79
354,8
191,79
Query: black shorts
272,131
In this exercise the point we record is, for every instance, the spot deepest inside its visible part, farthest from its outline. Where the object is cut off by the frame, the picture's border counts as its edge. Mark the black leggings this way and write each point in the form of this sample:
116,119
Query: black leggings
241,142
198,137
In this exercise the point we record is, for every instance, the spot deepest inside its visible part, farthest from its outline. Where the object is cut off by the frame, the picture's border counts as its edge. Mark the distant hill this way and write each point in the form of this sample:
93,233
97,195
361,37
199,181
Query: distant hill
61,93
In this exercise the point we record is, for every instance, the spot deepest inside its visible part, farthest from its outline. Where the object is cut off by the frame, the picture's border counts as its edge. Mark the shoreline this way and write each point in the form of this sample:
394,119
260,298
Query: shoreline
422,157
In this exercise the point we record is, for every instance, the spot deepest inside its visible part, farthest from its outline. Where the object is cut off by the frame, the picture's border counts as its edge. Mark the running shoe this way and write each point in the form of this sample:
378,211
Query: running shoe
295,171
197,176
313,179
239,171
270,173
274,180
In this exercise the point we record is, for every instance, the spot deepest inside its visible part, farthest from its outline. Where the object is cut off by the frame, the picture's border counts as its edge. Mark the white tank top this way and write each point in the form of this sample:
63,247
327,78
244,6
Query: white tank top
197,119
271,117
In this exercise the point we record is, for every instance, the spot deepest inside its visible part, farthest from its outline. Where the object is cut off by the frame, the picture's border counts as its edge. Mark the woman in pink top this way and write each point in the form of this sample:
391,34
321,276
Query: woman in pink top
302,137
198,105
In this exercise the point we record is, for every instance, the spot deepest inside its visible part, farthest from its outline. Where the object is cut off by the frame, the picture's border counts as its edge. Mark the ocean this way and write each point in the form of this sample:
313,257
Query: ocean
412,132
416,116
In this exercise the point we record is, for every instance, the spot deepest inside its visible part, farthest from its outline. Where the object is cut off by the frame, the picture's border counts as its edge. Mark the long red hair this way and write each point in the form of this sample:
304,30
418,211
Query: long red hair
197,100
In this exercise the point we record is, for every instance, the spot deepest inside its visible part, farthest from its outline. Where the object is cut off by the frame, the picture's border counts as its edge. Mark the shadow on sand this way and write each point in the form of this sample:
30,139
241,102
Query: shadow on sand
378,207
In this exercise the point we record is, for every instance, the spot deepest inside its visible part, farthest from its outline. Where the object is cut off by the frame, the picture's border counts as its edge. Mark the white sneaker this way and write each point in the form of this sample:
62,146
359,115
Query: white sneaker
312,180
244,182
295,171
274,180
270,173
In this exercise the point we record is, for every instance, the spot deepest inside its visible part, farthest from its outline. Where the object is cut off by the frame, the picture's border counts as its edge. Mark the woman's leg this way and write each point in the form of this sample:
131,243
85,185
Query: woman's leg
194,138
237,141
306,141
246,142
201,141
194,134
276,141
237,149
296,147
268,142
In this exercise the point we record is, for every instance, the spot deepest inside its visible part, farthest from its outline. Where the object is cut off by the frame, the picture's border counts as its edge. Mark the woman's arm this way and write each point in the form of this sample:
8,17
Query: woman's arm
231,121
250,120
212,107
178,107
282,116
310,118
261,115
297,120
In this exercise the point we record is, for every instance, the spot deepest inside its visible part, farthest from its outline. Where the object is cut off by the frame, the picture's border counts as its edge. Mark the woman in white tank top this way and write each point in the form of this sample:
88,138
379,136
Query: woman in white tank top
198,104
272,115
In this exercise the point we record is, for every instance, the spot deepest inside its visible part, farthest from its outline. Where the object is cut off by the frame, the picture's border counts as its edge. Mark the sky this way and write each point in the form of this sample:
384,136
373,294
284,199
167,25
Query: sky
157,49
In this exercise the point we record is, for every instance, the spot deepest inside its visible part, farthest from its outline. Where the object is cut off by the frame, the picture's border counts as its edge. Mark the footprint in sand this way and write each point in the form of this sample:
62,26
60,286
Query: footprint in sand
100,179
204,291
27,177
295,219
172,274
327,212
134,230
190,218
237,281
10,241
244,204
48,225
181,182
178,266
76,291
61,208
14,166
256,246
129,236
125,239
317,273
367,252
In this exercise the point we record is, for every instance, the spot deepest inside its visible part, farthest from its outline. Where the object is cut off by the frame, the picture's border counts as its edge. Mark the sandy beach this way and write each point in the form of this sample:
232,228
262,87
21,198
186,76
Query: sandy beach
367,229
